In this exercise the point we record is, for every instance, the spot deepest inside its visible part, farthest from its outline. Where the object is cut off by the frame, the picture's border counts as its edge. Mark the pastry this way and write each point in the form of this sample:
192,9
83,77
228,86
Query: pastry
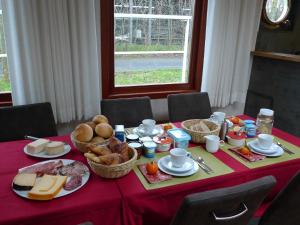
104,130
100,119
83,132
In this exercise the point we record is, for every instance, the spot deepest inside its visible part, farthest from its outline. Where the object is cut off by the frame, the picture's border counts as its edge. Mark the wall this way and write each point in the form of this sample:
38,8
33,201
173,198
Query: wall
285,41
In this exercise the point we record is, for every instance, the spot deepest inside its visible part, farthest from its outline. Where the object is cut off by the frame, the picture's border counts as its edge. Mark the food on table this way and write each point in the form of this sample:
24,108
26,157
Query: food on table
114,153
100,119
73,169
236,138
104,130
83,132
100,150
45,168
152,168
245,151
54,147
74,182
91,124
180,138
24,181
97,140
47,188
201,126
235,120
167,127
37,146
163,143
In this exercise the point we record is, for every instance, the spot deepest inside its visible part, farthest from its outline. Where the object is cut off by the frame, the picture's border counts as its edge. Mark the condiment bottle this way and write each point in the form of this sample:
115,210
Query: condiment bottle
120,132
223,130
264,121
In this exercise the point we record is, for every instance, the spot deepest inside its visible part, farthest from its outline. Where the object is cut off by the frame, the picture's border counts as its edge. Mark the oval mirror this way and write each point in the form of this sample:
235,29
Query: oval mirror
276,11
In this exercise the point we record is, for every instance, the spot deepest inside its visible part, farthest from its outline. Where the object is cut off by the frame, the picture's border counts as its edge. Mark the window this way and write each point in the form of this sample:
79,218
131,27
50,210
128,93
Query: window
5,88
152,47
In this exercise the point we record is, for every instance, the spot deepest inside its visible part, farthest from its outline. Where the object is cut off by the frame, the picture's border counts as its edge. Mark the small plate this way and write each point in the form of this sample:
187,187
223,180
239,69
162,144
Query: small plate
156,131
255,145
188,173
44,155
278,152
167,163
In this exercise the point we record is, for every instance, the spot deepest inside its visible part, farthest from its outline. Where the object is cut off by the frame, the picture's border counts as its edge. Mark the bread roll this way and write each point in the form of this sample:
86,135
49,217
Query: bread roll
83,132
104,130
91,124
97,140
100,119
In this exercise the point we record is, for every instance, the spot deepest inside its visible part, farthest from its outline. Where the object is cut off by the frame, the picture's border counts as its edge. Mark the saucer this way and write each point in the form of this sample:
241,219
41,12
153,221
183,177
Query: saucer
255,145
279,151
192,171
167,163
141,132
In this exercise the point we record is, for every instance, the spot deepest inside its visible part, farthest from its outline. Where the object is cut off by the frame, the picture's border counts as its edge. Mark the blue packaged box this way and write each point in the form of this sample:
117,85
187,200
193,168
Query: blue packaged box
180,137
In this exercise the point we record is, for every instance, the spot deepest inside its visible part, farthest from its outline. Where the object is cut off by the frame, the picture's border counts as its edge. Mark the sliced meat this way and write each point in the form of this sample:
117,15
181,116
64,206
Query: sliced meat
73,169
74,182
50,168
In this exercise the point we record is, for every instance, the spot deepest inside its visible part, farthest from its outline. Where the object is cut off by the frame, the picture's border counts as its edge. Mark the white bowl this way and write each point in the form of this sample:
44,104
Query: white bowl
236,142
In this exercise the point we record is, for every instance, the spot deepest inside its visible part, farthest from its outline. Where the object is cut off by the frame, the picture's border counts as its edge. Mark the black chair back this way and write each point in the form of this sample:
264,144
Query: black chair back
255,101
127,111
233,205
188,106
284,209
33,119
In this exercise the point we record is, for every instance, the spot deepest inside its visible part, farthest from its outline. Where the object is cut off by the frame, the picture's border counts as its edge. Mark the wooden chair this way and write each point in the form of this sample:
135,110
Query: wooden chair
127,111
33,119
233,205
189,106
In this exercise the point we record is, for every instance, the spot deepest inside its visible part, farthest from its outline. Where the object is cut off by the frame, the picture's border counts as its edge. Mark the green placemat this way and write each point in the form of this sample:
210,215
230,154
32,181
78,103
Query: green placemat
267,161
218,167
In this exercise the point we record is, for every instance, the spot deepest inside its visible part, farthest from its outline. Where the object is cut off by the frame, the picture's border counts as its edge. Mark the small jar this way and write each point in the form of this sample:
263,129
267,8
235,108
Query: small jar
120,132
264,121
132,138
250,130
138,147
149,149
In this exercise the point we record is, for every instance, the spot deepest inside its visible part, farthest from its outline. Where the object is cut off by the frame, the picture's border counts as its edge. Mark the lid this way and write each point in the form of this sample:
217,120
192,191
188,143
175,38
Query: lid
145,139
132,136
249,122
266,112
150,144
135,144
162,140
233,135
179,135
250,125
119,128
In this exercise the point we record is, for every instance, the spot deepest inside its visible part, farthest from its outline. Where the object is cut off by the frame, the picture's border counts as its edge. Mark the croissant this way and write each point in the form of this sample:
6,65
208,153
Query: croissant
99,150
111,159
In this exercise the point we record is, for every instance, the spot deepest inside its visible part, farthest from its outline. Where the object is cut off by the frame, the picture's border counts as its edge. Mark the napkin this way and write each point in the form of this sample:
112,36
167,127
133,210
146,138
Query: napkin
154,179
252,157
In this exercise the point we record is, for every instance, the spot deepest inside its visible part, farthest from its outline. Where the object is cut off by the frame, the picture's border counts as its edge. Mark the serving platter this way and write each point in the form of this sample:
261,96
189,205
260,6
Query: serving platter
44,155
62,192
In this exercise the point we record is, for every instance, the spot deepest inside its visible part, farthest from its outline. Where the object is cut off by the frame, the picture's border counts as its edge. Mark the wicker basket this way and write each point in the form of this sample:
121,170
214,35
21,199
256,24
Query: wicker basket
114,171
81,146
198,136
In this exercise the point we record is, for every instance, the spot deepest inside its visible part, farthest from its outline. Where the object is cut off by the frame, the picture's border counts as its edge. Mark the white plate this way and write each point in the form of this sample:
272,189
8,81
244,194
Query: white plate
188,173
62,192
44,155
255,145
188,165
156,131
278,152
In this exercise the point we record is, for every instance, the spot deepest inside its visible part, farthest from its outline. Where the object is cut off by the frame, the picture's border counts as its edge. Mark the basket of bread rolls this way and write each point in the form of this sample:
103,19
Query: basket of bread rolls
198,128
116,159
98,132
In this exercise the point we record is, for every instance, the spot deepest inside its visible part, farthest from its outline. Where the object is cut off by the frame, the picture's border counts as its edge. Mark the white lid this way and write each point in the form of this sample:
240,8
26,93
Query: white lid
119,128
266,112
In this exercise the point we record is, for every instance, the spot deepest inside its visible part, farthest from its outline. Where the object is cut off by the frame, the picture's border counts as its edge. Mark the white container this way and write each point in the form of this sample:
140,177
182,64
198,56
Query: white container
236,140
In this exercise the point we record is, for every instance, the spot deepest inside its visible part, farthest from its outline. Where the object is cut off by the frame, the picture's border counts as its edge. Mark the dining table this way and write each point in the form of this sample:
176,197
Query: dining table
130,200
99,201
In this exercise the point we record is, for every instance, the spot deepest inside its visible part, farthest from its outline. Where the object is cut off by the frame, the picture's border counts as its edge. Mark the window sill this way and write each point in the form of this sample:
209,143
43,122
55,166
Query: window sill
5,99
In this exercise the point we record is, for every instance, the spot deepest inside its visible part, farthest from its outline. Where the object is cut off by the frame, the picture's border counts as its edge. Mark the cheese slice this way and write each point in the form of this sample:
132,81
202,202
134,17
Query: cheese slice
24,181
37,146
55,147
47,188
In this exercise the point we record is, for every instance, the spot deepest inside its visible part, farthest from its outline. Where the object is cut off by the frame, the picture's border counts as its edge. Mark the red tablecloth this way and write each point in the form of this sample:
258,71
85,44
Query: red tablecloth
99,201
158,206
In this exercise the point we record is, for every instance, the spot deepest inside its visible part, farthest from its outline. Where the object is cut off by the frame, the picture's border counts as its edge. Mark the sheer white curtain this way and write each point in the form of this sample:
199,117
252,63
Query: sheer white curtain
231,32
53,52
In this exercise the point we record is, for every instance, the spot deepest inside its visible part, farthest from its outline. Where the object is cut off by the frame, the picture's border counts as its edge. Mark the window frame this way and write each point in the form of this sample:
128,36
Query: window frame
158,90
5,99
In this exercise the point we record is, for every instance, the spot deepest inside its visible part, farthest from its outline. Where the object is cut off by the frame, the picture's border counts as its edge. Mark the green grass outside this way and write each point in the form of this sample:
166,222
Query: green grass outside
148,77
4,85
121,47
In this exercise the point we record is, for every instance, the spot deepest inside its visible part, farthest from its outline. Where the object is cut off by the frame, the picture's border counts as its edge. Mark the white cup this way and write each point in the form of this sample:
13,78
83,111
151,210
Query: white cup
147,125
218,117
265,141
213,143
178,156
